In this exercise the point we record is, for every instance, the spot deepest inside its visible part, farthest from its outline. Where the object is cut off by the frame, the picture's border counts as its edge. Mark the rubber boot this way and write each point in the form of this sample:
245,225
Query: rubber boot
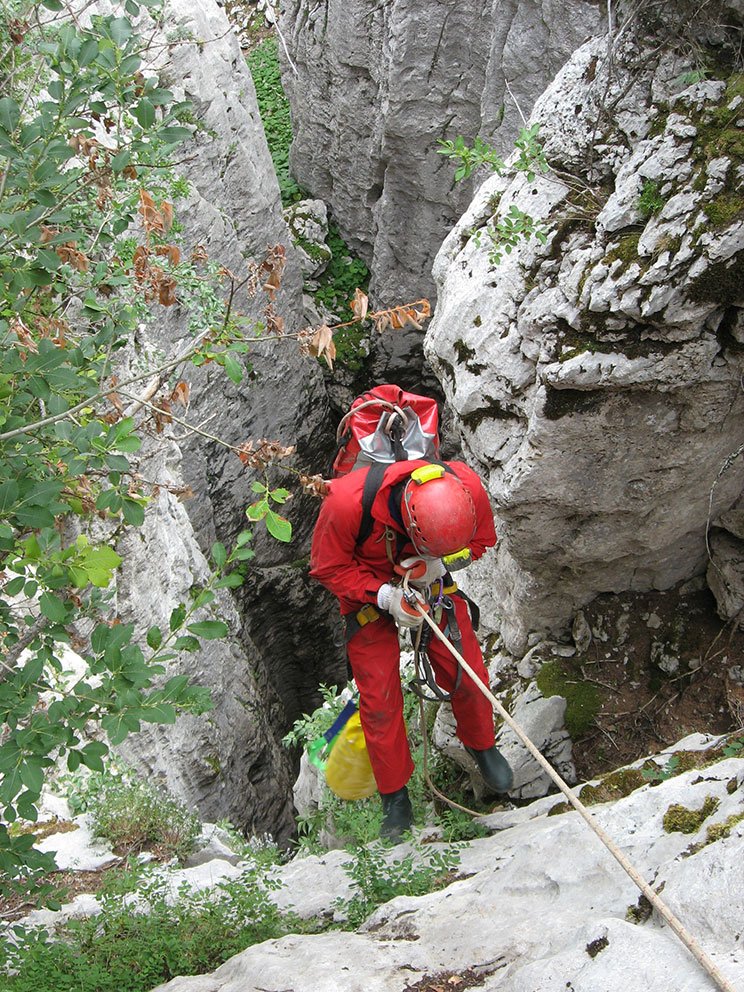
494,768
398,814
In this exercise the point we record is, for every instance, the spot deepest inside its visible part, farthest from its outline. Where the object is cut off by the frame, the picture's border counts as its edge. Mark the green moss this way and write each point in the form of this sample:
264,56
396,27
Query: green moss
610,787
640,912
731,786
343,275
617,785
720,283
626,250
680,819
717,831
42,829
725,209
477,321
273,107
463,351
213,762
564,402
650,201
318,253
556,678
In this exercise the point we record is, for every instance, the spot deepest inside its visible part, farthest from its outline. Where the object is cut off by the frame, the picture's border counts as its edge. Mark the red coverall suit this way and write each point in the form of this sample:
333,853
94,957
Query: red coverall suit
354,574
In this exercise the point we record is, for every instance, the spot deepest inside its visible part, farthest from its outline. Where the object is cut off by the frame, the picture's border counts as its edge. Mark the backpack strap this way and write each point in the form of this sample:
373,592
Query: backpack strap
372,485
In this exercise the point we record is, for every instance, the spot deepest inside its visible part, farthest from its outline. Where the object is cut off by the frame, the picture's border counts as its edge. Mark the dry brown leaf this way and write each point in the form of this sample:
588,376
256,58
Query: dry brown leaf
181,393
360,304
171,252
151,216
23,334
314,485
162,416
199,254
322,345
167,291
166,212
259,455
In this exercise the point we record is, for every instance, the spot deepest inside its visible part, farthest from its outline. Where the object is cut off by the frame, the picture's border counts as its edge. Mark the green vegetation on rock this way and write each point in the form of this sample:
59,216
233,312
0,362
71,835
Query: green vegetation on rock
560,678
680,819
273,106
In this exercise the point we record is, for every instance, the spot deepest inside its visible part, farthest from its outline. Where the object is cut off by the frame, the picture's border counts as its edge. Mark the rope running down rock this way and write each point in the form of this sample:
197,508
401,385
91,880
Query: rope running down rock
653,897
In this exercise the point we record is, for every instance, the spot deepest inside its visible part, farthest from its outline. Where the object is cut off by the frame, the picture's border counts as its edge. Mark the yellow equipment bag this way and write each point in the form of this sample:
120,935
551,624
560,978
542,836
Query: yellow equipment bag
348,771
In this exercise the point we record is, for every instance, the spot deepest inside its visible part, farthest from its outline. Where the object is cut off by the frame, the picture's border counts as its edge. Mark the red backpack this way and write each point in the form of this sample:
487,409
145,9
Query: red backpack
383,426
386,425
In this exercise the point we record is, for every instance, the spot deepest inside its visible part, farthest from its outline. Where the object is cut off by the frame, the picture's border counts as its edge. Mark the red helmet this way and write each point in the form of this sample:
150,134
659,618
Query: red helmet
438,512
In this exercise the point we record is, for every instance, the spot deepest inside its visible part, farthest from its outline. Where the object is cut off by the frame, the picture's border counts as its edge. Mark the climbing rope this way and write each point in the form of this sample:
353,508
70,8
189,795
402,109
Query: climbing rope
653,897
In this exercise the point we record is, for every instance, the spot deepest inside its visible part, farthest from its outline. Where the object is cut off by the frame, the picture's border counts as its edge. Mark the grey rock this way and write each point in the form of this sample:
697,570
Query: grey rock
377,85
308,225
533,899
726,575
581,632
542,720
603,407
230,763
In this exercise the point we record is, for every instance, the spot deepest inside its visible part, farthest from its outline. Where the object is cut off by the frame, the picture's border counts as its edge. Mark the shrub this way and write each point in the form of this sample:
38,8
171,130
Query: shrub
124,951
379,880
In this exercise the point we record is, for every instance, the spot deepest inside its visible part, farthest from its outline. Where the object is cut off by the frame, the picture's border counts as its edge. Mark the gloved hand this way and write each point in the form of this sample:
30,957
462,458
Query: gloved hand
392,599
421,571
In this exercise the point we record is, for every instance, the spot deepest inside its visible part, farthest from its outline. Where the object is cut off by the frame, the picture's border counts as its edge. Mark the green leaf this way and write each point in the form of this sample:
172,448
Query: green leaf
219,554
154,637
88,52
278,527
13,587
134,512
174,135
144,112
52,607
120,29
231,581
258,487
51,4
234,369
177,617
73,760
132,8
186,643
92,754
210,630
121,161
8,495
158,713
257,511
32,775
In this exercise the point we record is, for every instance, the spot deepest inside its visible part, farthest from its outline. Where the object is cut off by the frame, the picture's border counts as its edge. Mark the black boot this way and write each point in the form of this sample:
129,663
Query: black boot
494,768
398,814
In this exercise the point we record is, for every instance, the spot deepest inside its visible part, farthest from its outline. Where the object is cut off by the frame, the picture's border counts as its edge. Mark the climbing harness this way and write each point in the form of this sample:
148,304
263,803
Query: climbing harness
653,897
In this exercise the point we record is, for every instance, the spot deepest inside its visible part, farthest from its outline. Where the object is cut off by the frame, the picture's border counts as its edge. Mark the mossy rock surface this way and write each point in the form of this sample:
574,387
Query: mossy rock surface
680,819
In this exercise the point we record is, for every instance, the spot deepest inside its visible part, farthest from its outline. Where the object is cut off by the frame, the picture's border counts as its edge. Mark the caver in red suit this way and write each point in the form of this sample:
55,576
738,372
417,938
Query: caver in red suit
362,574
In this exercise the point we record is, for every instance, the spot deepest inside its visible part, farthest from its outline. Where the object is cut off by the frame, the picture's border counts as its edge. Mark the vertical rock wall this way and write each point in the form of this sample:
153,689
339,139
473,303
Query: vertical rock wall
229,762
597,379
374,85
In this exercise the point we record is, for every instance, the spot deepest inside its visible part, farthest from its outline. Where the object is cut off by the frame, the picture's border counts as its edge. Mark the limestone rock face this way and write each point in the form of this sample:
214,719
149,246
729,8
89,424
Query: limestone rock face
540,905
596,378
374,85
229,763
